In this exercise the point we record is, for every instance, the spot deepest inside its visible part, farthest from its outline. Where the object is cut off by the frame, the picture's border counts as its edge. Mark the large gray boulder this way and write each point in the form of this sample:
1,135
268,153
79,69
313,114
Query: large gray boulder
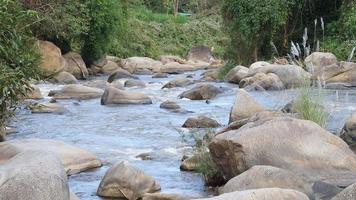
134,83
261,176
120,74
244,107
290,75
341,73
262,194
202,92
52,60
48,108
33,175
64,78
116,96
76,91
125,181
74,159
261,81
236,74
110,67
318,60
300,146
76,65
138,65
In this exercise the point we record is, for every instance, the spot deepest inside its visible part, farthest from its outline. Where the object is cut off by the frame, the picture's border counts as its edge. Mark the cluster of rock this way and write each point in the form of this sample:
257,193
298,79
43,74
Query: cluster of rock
322,68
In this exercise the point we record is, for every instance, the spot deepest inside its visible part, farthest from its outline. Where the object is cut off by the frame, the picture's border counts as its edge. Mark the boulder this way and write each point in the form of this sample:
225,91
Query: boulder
244,107
102,84
48,108
261,81
116,96
168,58
64,78
97,66
52,61
110,67
259,64
290,75
120,74
170,105
201,53
236,74
177,68
265,194
34,94
160,75
348,133
79,92
161,196
344,72
347,194
33,175
134,83
123,180
318,60
74,159
260,176
137,65
300,146
76,65
201,122
179,81
210,75
190,163
202,92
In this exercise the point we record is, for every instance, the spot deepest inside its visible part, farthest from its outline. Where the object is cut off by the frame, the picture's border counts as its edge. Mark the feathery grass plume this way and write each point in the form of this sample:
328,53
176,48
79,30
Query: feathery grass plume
310,107
322,26
351,54
274,49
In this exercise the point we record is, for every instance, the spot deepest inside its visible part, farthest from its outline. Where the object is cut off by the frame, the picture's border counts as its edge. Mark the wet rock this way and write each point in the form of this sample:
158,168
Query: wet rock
144,156
10,130
300,146
76,65
168,58
52,61
190,163
244,107
74,159
135,65
35,94
210,75
201,53
201,122
318,60
262,81
347,194
125,181
170,105
290,75
116,96
33,175
120,74
64,78
265,194
338,86
348,133
261,176
179,81
48,108
110,67
134,83
97,66
202,92
160,75
76,92
161,196
236,74
117,84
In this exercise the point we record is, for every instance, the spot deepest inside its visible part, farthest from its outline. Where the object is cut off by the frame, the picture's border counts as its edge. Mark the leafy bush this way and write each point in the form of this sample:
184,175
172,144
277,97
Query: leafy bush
19,59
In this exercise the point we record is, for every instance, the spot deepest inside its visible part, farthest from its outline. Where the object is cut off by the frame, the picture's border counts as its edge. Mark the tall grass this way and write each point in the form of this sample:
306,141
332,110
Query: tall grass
147,15
310,107
225,69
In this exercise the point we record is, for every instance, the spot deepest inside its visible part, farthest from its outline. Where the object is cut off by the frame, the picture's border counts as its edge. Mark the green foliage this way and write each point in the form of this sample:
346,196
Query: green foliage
310,108
19,59
153,34
103,29
225,69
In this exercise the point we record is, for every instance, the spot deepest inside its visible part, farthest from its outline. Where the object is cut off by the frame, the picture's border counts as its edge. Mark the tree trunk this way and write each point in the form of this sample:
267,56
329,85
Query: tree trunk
175,7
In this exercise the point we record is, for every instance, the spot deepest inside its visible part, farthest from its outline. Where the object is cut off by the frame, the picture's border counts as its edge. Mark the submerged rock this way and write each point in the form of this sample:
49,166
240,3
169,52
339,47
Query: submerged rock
202,92
134,83
160,75
125,181
116,96
33,175
201,122
64,78
300,146
74,159
170,105
48,108
76,92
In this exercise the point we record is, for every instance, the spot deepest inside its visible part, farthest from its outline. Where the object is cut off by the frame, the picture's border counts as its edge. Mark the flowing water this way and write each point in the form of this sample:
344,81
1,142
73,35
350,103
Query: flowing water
116,133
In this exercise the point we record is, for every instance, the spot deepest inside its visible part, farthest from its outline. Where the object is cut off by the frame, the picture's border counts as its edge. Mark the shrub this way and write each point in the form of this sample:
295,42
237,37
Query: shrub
225,69
19,59
311,108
